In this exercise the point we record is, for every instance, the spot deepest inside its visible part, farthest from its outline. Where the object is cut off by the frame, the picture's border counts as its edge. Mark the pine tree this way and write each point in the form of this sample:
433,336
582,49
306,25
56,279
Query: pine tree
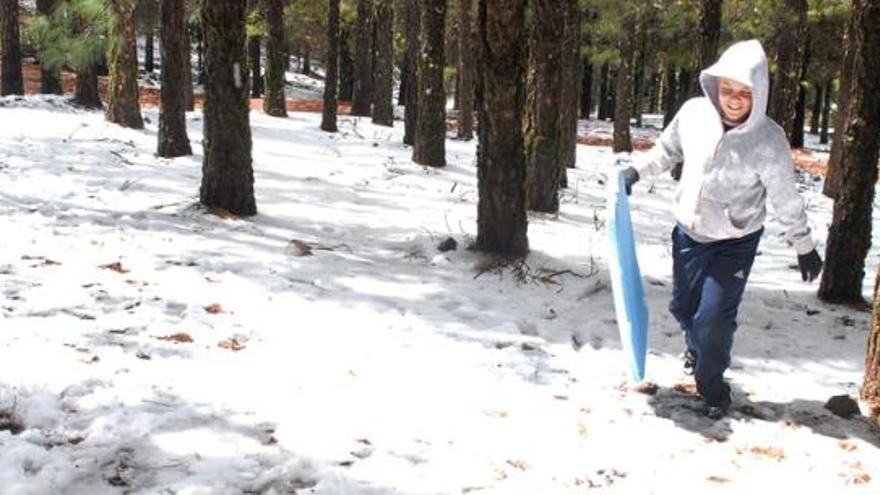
362,96
346,64
275,102
12,82
173,140
412,27
383,92
123,107
625,73
328,115
74,34
502,224
256,29
466,71
430,143
543,129
570,82
841,120
849,235
50,81
227,169
790,51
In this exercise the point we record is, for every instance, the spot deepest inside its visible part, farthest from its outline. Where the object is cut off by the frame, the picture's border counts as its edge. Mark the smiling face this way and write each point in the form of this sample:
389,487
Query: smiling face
735,100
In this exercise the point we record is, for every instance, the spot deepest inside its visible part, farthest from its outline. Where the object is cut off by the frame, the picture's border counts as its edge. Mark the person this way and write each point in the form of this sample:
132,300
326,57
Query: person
735,159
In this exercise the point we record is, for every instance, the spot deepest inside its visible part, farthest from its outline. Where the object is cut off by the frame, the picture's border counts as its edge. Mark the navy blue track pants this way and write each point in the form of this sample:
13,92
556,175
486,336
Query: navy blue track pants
708,284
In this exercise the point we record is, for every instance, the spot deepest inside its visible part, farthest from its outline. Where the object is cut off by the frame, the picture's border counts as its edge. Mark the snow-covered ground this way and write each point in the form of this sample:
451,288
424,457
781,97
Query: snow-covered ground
325,346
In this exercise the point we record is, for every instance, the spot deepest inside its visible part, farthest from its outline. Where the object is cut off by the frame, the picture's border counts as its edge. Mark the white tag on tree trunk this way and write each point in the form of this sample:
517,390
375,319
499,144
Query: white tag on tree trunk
236,72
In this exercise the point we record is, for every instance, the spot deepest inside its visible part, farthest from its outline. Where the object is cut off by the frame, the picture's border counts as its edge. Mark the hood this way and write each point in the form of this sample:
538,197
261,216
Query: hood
746,63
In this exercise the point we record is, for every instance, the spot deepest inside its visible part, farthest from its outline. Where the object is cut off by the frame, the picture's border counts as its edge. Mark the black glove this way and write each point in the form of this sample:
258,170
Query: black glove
810,265
630,177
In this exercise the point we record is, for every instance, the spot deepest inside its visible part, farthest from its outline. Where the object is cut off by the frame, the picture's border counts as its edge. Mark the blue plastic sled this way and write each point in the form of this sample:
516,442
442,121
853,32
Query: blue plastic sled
626,279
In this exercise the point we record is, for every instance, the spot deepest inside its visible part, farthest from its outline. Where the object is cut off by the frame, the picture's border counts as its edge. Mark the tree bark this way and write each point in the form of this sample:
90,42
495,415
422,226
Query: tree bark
412,29
430,144
86,94
543,122
710,33
227,169
586,100
173,140
50,82
639,55
849,235
346,65
570,83
797,131
188,93
254,56
603,92
826,114
274,100
12,82
363,62
328,114
670,95
466,71
816,109
149,59
841,119
123,107
502,223
623,105
790,54
383,95
870,390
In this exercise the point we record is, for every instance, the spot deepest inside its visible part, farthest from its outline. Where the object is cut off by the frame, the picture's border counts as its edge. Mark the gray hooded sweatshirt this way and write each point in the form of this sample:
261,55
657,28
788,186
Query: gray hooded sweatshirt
728,176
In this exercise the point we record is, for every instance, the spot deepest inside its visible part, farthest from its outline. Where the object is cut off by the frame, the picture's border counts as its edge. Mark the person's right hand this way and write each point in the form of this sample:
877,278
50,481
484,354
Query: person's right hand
630,177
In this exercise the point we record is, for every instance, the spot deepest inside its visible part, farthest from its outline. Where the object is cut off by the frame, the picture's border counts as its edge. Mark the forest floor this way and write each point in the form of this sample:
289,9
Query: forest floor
327,346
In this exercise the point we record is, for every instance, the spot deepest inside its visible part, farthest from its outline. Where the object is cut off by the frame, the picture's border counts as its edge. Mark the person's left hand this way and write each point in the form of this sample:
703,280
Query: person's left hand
810,265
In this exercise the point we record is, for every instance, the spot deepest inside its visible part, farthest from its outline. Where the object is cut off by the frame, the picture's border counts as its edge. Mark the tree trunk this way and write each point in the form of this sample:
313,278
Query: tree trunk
200,57
123,107
603,92
346,66
12,82
466,71
797,132
670,96
328,114
254,55
274,101
791,30
173,140
227,169
412,29
502,223
363,62
623,105
148,49
307,61
383,95
543,129
685,78
639,73
710,33
570,84
430,145
586,100
870,390
849,235
86,94
826,114
841,119
188,94
816,109
50,82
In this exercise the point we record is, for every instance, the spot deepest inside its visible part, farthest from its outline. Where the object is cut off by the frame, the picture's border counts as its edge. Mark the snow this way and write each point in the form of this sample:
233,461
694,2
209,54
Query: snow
359,359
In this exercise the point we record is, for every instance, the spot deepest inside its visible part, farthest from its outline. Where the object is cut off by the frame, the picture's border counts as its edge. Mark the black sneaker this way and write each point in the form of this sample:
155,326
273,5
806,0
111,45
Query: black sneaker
715,412
689,361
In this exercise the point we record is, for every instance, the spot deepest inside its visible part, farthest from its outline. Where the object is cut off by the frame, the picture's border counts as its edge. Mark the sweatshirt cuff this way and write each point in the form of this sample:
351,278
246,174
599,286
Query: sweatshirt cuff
804,245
